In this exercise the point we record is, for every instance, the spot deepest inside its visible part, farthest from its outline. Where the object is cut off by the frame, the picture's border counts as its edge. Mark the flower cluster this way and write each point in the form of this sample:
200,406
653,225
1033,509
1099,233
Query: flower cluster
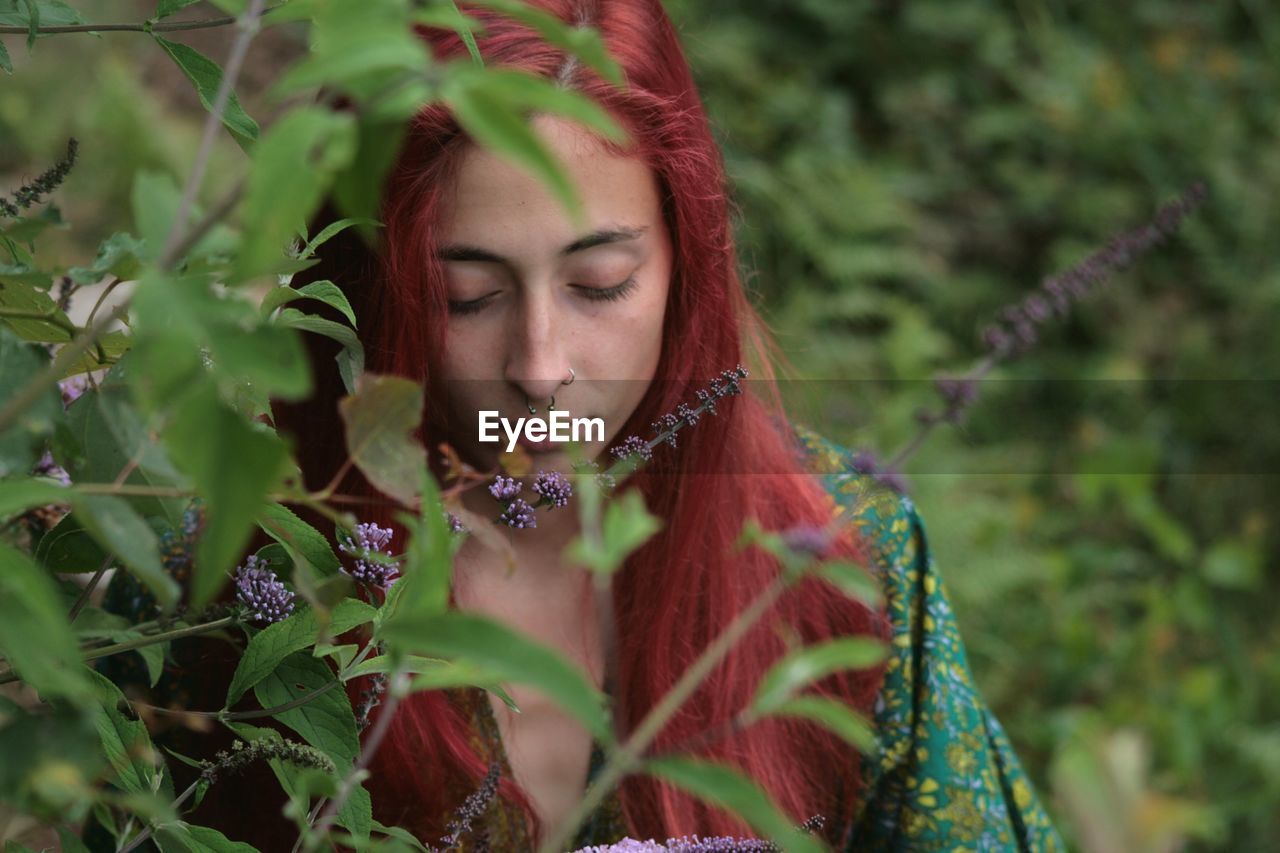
370,698
261,592
1015,328
695,844
29,195
371,539
472,808
809,540
242,755
552,488
865,462
633,450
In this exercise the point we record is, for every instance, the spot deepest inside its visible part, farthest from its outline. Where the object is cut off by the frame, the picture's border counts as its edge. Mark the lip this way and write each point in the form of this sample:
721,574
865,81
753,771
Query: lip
544,446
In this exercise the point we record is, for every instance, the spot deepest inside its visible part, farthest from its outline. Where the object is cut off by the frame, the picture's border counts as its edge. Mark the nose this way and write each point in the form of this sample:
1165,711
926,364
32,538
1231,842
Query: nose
537,357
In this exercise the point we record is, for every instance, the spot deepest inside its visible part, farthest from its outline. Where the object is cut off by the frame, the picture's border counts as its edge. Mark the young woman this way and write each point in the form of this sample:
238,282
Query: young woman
486,291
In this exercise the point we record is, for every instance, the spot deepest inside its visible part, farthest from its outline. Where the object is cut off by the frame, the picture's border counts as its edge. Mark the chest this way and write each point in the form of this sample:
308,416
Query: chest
547,751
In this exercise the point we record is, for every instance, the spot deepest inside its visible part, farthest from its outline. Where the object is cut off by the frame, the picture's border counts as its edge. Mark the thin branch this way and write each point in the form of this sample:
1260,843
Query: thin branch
89,588
144,27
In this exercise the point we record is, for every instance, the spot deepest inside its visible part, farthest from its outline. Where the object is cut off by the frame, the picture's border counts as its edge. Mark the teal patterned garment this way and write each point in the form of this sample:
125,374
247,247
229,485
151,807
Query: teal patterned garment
946,777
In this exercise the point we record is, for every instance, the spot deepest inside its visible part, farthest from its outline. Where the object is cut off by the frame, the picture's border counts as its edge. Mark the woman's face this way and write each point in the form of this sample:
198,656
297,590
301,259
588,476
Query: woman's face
532,296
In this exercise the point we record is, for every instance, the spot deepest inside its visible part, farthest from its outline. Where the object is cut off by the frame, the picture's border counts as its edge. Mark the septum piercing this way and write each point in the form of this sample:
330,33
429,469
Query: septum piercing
552,404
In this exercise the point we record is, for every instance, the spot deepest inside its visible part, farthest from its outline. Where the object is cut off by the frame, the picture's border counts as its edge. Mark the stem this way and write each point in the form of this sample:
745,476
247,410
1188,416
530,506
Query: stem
146,833
145,27
88,589
626,757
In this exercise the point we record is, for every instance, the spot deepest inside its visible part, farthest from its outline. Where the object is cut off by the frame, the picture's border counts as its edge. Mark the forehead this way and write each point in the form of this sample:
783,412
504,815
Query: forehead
499,205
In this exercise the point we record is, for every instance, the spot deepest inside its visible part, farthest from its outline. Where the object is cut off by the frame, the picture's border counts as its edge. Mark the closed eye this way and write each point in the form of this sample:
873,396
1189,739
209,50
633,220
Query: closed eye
622,290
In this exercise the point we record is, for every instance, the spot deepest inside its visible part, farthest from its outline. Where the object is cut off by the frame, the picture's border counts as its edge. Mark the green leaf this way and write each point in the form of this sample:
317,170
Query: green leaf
18,496
350,359
206,76
300,538
70,842
848,724
35,638
119,255
401,835
525,92
277,641
125,742
51,13
358,188
293,165
813,663
21,443
380,419
118,529
168,7
423,591
321,291
627,525
206,436
5,62
582,42
326,722
726,788
853,580
156,198
513,657
492,122
182,837
332,230
19,294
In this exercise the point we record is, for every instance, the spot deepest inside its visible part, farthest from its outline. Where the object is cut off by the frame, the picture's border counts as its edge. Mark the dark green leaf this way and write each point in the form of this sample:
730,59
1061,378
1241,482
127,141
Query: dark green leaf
281,639
21,443
350,359
205,436
125,742
35,638
18,496
182,837
21,295
293,533
321,291
5,62
206,76
327,723
332,230
168,7
118,529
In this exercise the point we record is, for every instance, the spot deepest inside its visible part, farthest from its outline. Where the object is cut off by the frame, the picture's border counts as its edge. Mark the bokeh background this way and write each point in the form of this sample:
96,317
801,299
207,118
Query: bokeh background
1106,519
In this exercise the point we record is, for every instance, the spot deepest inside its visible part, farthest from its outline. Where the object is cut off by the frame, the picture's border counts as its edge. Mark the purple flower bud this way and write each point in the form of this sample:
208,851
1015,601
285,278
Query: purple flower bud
688,414
259,590
807,539
455,523
864,462
370,539
634,445
553,487
505,488
519,515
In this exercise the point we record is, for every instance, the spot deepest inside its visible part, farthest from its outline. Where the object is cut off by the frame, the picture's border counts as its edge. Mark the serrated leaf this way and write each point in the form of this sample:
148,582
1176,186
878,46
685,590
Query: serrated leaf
380,419
321,291
813,663
35,639
206,76
722,786
332,230
350,359
327,722
508,655
125,742
276,642
282,525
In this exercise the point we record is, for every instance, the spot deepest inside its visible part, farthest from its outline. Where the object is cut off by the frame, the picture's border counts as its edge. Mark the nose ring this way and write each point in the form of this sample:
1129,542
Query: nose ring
572,376
534,411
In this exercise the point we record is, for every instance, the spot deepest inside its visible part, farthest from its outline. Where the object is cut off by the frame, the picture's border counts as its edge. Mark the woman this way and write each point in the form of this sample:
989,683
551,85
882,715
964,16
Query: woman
489,294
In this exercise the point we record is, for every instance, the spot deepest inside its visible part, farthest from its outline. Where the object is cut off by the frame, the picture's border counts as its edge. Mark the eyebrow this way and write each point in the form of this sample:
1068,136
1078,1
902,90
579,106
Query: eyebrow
604,236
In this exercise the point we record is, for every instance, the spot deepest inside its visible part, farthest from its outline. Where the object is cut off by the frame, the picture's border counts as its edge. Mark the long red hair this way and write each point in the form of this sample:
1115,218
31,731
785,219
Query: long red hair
682,588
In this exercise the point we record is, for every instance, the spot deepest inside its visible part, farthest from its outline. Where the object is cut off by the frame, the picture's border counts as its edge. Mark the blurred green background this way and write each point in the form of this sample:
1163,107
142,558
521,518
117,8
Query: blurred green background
1106,520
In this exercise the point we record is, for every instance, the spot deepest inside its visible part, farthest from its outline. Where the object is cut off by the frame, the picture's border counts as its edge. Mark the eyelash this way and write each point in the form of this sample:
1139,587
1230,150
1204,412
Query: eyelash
594,294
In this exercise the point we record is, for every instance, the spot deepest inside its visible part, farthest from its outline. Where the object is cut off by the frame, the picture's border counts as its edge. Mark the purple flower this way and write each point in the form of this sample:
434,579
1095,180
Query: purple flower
370,539
519,515
46,467
259,590
505,488
688,414
807,539
455,523
72,387
634,445
553,487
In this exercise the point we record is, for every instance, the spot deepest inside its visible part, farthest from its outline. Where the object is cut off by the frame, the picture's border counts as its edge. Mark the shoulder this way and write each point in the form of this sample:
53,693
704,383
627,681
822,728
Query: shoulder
946,774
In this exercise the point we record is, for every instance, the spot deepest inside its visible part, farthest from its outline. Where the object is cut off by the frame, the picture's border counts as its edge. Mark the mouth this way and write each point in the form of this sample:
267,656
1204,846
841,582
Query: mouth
538,447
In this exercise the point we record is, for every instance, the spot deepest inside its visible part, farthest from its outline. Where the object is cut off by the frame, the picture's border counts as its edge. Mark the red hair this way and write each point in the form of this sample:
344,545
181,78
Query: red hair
682,588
